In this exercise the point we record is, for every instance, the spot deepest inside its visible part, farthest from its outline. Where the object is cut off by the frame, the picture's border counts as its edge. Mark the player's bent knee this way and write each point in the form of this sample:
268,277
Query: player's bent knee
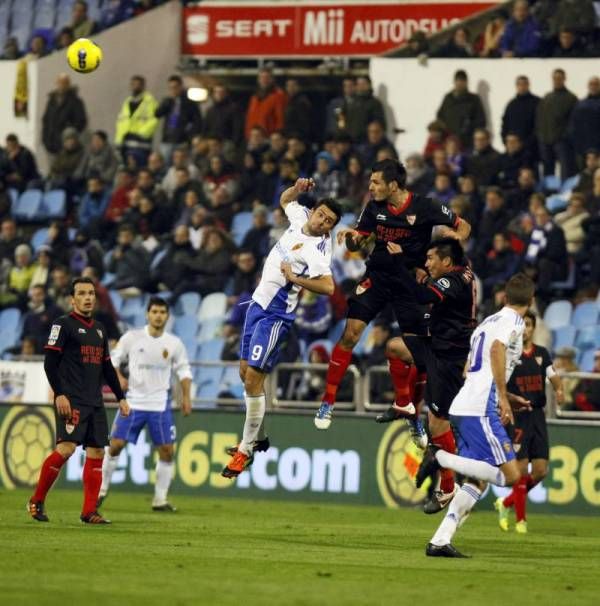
396,348
254,382
66,449
115,447
512,474
94,453
165,452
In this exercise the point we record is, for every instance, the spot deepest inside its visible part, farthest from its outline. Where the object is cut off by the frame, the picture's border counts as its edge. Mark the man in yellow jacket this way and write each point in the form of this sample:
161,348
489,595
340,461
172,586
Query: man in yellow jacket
136,123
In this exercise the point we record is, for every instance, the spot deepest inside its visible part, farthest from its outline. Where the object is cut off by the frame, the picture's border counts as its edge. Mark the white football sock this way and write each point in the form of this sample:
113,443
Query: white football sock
460,507
109,464
471,468
164,475
255,414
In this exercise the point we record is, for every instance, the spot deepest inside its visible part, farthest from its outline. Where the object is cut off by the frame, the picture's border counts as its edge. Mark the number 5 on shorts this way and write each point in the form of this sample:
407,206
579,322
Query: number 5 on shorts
256,352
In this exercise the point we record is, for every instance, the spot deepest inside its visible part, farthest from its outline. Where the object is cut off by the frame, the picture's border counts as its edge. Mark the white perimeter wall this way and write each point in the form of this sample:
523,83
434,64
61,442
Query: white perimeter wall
148,45
412,93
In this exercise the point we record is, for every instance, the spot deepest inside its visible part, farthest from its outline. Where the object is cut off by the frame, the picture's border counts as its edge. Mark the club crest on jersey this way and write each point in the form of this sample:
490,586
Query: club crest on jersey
165,354
507,446
444,282
363,286
410,219
69,427
538,359
297,246
99,333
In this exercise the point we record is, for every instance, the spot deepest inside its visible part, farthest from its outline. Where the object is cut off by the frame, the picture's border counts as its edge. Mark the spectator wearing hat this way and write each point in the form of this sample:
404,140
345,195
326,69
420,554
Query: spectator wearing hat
326,178
256,239
64,172
586,396
41,312
564,362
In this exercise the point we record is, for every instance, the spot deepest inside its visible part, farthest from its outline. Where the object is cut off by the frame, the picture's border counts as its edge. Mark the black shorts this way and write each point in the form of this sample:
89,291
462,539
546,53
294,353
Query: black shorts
444,374
87,426
530,438
378,289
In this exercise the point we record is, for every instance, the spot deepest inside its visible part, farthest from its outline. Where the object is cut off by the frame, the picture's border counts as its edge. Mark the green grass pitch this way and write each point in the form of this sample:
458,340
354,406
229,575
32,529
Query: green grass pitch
230,551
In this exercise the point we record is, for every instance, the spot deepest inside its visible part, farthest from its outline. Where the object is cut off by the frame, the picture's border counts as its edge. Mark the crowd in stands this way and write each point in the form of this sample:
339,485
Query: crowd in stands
529,28
198,212
34,28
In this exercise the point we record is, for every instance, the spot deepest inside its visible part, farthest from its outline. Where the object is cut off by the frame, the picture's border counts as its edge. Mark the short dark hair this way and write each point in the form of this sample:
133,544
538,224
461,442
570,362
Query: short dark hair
448,248
102,134
529,314
392,170
12,138
333,205
519,290
158,302
80,280
139,78
175,78
461,74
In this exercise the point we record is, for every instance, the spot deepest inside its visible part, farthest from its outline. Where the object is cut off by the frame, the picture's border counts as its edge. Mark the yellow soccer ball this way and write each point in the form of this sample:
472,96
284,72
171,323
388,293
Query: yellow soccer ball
84,56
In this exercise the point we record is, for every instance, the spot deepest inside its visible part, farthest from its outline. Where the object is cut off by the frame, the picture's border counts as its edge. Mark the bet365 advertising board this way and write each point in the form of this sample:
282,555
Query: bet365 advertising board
356,461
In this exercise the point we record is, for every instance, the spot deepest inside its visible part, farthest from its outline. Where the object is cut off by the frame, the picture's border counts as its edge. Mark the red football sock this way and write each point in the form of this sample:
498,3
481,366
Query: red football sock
520,498
446,442
419,387
50,469
92,480
509,501
530,482
338,364
403,376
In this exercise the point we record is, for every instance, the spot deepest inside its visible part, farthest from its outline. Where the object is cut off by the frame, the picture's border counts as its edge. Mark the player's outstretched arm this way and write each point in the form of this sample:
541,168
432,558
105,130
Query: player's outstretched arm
291,193
321,285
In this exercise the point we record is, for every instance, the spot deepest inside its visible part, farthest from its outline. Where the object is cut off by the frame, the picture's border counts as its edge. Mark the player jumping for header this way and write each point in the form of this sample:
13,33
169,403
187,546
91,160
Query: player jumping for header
400,223
300,259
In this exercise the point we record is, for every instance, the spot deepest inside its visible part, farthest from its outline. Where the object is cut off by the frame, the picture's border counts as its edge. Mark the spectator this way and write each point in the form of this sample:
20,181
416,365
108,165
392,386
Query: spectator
257,239
22,168
585,182
546,258
564,362
436,139
521,37
299,152
19,278
59,242
267,105
115,12
11,50
519,115
221,175
81,24
512,161
342,150
181,160
326,178
363,109
518,199
41,275
117,206
64,38
64,110
267,180
185,210
201,221
376,140
279,227
258,142
355,185
313,317
335,117
297,116
494,219
417,45
100,160
244,277
461,206
37,48
182,118
569,46
288,173
39,317
584,122
64,173
442,188
9,239
137,122
576,15
593,198
570,221
224,118
457,47
440,162
129,262
484,162
86,252
150,220
587,392
552,119
60,288
501,263
171,270
492,35
277,145
94,203
462,111
184,185
455,158
27,348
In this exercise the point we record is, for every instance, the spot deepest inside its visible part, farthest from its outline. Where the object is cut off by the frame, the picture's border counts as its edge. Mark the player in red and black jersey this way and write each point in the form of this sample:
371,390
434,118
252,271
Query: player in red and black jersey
449,289
400,224
530,434
77,362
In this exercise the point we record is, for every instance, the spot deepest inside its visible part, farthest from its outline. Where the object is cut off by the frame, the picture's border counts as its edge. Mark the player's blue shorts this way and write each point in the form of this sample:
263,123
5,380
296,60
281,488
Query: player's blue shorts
262,337
483,439
160,425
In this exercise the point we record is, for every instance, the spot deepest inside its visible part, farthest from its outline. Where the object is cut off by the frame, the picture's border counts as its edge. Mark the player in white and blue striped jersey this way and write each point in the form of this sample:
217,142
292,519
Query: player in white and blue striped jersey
300,259
479,412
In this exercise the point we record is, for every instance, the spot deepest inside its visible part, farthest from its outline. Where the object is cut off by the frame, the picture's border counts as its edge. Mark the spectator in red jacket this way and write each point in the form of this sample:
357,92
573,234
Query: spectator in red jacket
267,105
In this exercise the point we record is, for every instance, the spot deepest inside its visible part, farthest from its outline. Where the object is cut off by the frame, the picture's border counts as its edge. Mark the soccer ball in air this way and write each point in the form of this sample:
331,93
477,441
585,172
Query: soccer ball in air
84,56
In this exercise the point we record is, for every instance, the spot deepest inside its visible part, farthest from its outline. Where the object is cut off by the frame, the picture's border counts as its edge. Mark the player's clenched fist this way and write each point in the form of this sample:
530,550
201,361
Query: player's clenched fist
303,185
124,408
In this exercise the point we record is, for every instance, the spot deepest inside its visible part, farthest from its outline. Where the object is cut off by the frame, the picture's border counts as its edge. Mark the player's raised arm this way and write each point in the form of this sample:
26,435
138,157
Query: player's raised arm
498,363
291,193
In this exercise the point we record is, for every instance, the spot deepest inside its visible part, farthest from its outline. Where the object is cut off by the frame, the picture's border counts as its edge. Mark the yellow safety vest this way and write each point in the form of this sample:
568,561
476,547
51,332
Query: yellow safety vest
141,123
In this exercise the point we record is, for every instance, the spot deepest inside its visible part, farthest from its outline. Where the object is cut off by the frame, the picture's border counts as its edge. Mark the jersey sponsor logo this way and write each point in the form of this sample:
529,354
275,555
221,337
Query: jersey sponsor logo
297,246
445,210
82,331
363,286
444,282
54,332
381,218
411,219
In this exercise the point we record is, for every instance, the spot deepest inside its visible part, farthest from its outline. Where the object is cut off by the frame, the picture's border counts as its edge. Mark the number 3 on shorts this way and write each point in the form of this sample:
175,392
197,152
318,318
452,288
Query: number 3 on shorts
256,352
